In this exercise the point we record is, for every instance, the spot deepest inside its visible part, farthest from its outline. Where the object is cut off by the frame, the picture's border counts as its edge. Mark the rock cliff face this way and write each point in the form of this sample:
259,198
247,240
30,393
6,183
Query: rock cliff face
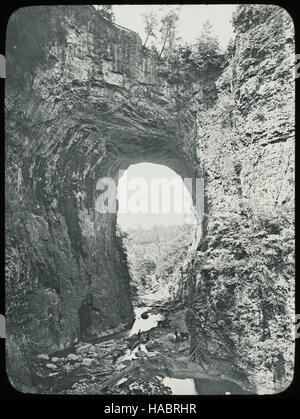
241,279
83,101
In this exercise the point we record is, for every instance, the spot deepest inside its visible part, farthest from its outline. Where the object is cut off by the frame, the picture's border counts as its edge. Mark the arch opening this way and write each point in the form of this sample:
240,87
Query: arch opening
156,223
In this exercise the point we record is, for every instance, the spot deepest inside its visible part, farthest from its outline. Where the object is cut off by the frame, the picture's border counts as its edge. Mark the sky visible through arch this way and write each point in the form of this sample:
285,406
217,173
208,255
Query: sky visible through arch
192,16
148,172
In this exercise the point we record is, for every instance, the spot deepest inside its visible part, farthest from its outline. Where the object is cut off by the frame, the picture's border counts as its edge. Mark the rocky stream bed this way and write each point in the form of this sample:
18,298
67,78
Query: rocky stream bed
157,365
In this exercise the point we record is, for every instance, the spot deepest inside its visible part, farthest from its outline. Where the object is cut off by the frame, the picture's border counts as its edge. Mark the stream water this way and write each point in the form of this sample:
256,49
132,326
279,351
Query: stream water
143,324
203,386
139,324
179,386
191,385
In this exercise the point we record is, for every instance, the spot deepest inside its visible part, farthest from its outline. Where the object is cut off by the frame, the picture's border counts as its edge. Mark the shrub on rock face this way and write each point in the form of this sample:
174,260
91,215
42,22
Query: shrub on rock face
105,10
204,59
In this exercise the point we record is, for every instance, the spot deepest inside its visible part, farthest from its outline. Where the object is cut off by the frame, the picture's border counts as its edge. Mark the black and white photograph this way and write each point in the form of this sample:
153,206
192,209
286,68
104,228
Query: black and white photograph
149,200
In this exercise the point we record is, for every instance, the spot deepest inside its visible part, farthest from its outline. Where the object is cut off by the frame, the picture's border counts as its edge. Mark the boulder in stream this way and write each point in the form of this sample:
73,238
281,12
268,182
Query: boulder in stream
73,357
88,361
51,366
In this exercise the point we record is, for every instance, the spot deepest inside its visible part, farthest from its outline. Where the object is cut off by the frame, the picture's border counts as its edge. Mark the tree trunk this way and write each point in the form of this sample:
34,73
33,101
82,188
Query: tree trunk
164,44
146,40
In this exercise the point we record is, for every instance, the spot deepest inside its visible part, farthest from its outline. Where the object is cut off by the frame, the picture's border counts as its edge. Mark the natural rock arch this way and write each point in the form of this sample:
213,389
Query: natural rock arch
90,104
83,100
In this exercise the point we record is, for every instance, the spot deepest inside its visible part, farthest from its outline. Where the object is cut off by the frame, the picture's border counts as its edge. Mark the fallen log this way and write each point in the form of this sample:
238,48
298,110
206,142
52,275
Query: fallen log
111,380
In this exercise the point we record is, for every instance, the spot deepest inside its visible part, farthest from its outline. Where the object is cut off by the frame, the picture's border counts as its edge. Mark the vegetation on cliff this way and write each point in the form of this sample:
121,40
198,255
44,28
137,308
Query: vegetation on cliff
155,257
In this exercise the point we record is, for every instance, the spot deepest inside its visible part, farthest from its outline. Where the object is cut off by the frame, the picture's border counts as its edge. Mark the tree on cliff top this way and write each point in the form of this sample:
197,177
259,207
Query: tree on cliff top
203,58
106,11
207,53
168,31
150,25
162,27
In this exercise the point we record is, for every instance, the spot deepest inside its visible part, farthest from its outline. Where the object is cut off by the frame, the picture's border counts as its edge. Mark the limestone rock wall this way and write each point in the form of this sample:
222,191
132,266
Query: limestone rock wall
83,101
241,279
